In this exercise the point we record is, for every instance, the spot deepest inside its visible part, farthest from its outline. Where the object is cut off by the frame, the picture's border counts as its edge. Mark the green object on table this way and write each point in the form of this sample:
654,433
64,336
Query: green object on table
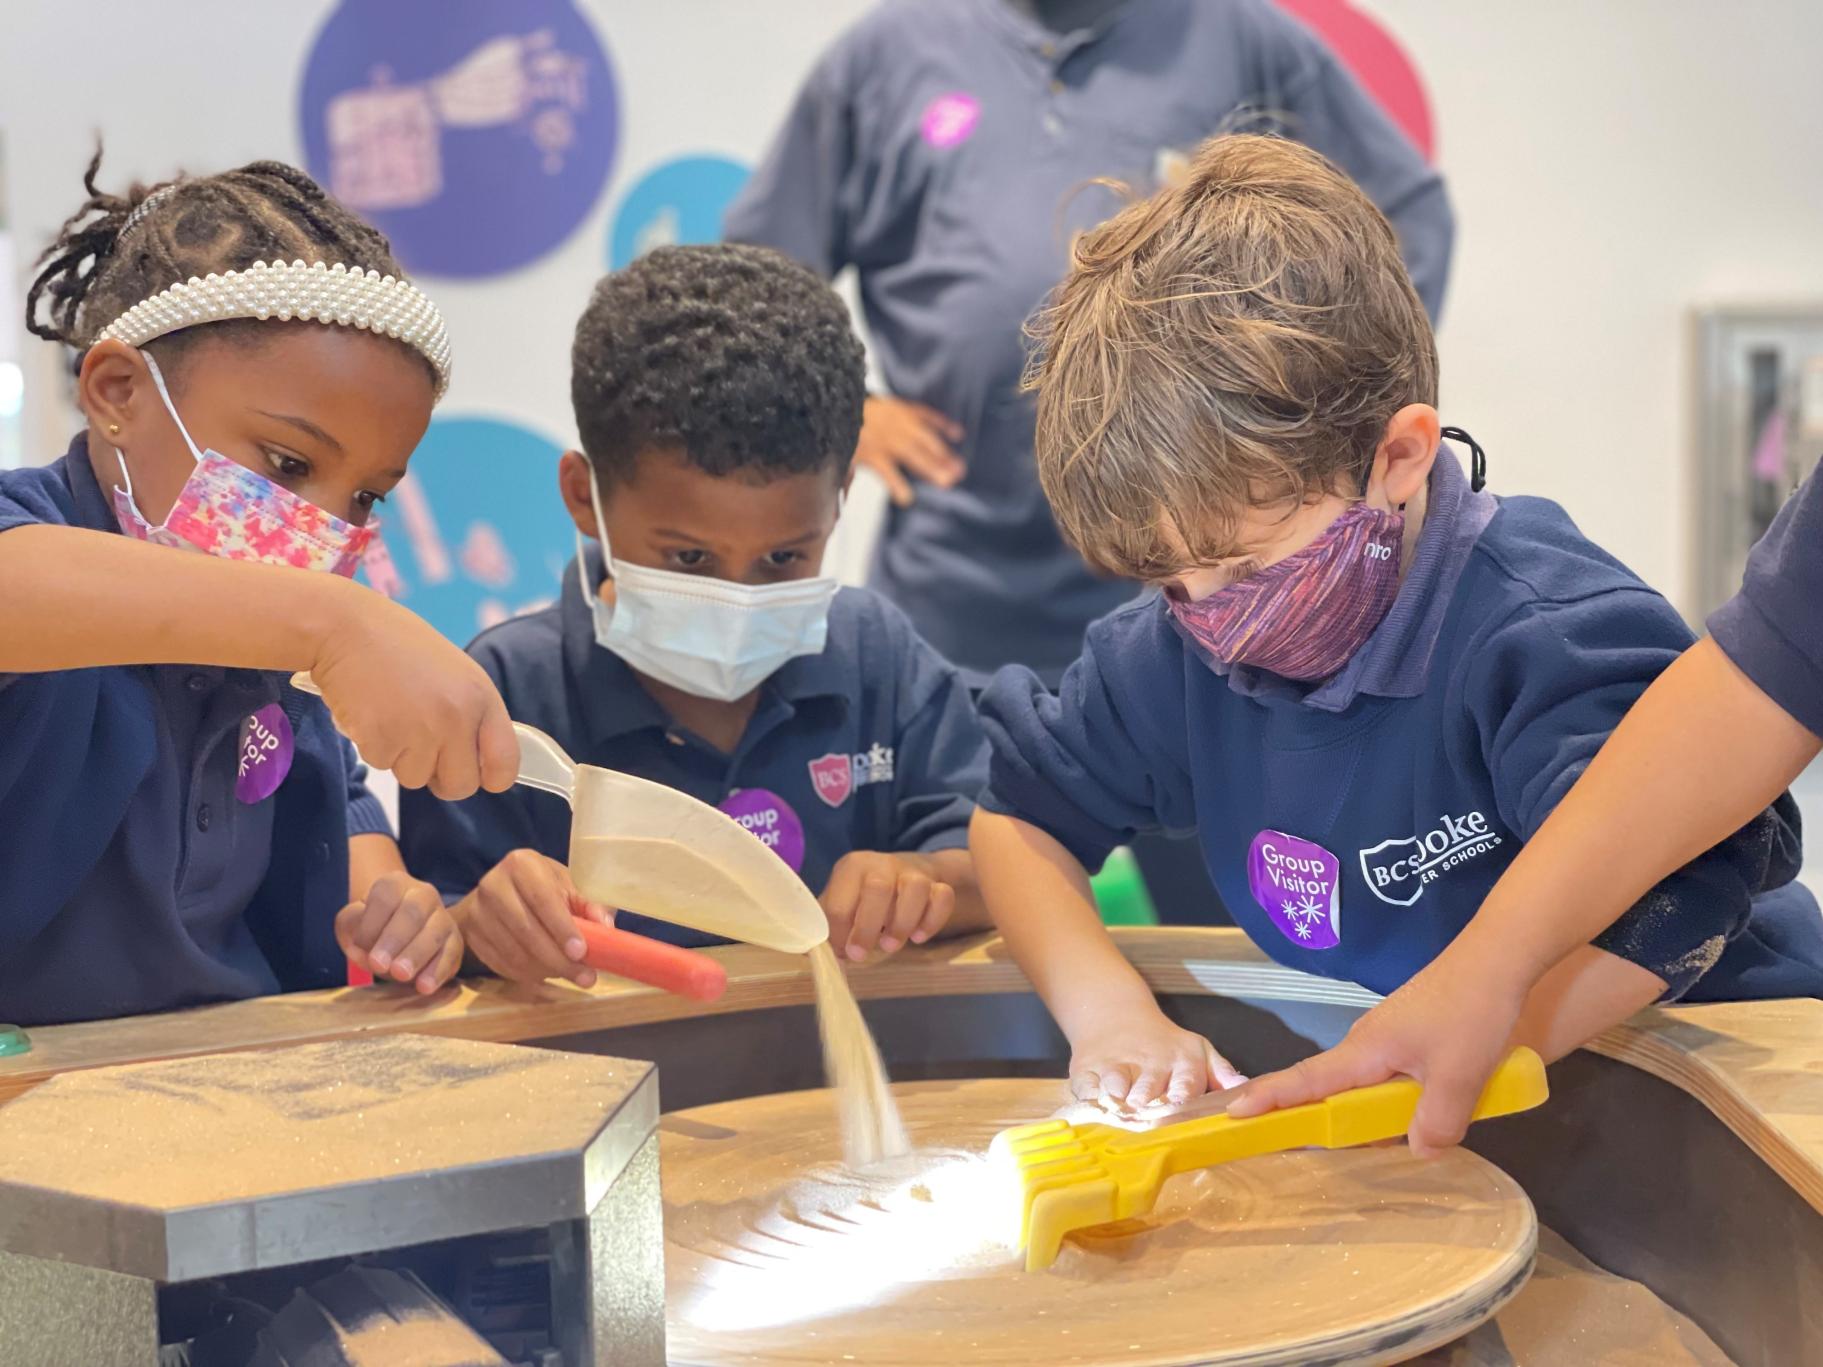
13,1040
1121,894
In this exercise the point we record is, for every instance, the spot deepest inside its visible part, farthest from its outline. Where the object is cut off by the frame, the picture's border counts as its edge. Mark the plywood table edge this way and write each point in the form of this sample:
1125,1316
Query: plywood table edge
1722,1055
1647,1043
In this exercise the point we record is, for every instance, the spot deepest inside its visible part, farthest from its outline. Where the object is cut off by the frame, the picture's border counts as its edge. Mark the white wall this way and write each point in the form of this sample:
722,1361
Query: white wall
1613,163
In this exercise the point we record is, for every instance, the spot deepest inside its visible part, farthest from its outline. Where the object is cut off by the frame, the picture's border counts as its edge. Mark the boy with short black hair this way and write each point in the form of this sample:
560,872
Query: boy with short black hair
718,395
1365,684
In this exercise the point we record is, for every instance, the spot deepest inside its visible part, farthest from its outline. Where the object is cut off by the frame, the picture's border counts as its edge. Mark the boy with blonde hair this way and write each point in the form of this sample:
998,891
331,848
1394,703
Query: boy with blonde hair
1365,683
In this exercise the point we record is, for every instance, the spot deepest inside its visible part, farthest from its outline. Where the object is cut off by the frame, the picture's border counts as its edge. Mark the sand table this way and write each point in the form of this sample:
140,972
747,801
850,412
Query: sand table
776,1253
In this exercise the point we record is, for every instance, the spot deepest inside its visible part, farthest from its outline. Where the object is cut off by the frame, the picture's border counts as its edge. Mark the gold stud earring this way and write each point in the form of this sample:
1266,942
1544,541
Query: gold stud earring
113,429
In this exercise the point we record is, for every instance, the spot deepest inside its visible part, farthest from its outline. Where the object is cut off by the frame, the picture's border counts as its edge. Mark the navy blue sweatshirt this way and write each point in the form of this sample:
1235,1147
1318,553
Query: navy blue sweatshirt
870,745
131,877
1354,827
1773,628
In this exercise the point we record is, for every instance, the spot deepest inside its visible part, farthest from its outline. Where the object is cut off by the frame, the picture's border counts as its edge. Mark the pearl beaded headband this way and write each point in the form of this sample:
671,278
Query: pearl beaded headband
344,295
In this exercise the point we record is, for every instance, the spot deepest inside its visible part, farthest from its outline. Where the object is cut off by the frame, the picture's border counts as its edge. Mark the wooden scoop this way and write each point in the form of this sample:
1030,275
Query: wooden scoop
643,847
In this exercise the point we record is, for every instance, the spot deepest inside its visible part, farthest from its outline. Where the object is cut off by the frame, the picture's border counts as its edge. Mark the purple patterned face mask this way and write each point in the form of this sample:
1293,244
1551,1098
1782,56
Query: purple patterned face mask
1303,617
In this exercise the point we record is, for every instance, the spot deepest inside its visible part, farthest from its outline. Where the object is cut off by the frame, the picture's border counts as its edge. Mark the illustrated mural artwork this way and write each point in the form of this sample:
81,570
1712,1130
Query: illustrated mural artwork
678,203
476,135
476,533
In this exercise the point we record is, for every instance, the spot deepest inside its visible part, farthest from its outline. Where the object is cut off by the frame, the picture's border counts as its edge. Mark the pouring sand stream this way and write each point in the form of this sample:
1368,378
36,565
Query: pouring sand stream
640,846
650,849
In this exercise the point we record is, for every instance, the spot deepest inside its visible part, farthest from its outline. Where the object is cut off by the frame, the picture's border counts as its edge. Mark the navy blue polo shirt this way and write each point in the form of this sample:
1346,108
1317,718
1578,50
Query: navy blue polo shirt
1354,827
946,149
132,878
1773,628
871,745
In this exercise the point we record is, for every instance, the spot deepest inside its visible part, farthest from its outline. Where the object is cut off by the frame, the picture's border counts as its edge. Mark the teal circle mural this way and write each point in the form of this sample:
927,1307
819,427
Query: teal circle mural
476,533
679,202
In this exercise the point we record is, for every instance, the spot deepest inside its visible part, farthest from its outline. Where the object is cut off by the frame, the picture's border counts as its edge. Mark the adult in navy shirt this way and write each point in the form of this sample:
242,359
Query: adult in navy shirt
718,393
945,150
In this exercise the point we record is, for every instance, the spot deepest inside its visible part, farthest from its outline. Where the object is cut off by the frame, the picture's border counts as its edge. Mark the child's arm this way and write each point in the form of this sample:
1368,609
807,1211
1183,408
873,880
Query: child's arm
1122,1047
1072,775
1701,754
411,701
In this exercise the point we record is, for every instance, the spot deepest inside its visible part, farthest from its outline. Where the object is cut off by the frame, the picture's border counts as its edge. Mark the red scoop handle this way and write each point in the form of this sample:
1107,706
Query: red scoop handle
653,962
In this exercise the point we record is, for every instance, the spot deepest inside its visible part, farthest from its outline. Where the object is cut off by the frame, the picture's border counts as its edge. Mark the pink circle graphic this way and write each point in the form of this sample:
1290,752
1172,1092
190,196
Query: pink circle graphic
1377,61
949,120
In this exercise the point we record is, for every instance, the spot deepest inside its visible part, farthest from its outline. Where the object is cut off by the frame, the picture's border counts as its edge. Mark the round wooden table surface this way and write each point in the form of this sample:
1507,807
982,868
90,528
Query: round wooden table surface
776,1254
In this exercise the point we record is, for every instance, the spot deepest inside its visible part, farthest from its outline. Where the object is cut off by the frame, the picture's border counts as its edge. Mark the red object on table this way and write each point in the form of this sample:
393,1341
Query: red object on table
653,962
358,977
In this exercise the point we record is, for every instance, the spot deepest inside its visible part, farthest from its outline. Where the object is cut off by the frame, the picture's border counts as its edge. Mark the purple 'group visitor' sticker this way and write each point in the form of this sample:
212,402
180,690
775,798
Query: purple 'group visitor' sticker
1298,884
770,820
265,754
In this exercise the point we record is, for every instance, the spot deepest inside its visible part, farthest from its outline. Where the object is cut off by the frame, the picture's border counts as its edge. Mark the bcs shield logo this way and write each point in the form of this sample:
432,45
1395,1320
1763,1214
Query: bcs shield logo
1393,869
833,778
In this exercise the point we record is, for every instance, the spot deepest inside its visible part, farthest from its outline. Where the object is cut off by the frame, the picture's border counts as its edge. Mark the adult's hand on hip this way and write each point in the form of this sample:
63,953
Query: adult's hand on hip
902,441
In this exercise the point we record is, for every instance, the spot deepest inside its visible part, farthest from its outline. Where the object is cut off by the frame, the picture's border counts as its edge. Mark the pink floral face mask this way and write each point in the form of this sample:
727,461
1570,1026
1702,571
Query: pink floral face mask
1303,617
228,510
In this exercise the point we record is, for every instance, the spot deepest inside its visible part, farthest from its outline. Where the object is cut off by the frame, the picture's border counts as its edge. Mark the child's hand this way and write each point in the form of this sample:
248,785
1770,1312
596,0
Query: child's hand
411,702
1448,1032
884,901
518,920
402,931
1137,1060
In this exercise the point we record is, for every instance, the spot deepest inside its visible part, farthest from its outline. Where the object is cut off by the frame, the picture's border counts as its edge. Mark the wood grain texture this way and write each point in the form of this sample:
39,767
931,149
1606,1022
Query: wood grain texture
1758,1066
774,1254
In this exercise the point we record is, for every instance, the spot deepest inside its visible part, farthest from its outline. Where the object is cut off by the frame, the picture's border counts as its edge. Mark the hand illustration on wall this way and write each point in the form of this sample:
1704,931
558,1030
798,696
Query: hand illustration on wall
476,135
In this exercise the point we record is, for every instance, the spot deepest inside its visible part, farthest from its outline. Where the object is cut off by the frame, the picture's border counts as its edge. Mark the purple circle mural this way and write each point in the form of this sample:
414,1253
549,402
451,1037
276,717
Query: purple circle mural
476,135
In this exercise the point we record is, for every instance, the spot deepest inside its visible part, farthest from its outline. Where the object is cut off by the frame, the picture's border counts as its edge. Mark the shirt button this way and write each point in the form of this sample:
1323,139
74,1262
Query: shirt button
198,683
1057,87
203,817
1053,125
1047,50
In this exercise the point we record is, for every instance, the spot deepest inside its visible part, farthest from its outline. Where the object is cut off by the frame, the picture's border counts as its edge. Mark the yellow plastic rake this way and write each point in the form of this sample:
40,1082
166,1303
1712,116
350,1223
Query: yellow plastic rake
1078,1176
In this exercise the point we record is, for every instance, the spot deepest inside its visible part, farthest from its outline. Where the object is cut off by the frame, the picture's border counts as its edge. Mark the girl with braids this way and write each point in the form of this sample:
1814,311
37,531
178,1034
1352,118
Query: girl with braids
177,823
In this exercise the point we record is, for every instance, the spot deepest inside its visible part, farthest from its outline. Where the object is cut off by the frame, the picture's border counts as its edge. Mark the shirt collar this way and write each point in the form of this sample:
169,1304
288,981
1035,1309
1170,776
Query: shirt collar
614,703
94,505
1030,33
1395,661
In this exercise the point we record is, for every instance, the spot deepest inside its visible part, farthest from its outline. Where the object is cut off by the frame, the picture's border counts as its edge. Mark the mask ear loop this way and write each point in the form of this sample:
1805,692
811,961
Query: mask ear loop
158,380
601,532
1478,459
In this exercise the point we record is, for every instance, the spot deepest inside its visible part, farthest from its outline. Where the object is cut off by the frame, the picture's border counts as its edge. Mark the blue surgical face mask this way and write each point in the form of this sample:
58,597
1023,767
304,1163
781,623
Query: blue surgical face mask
709,637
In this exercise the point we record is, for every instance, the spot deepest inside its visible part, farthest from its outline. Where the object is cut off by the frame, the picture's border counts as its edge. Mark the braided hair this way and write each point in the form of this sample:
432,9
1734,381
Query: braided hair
100,264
